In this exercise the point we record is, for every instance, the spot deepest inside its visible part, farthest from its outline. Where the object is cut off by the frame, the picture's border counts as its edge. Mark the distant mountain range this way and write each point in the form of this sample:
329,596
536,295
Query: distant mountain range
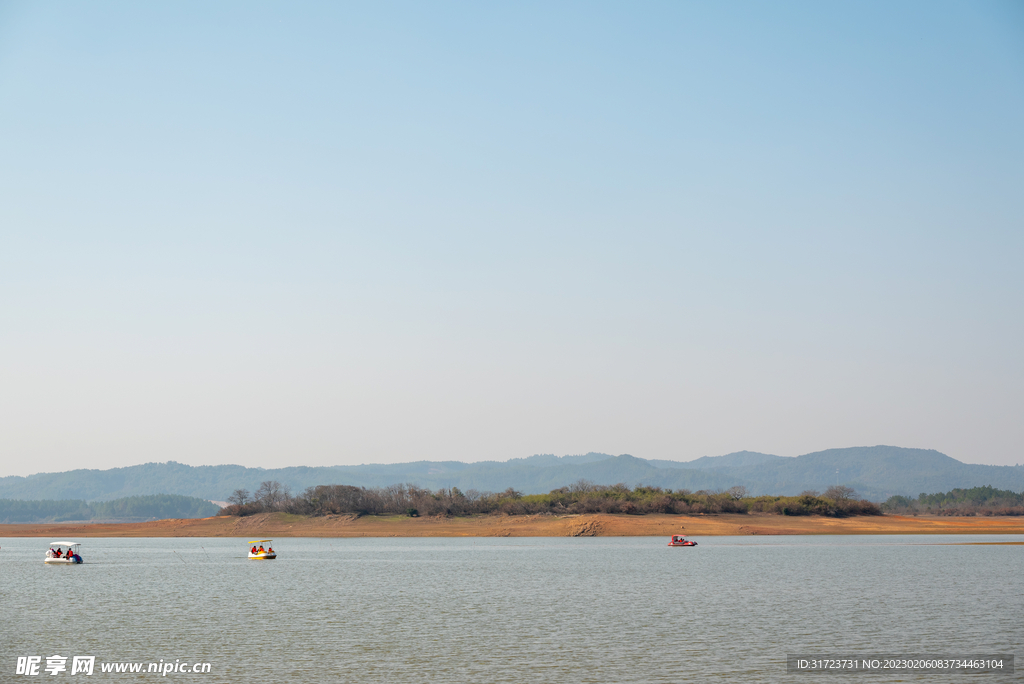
876,473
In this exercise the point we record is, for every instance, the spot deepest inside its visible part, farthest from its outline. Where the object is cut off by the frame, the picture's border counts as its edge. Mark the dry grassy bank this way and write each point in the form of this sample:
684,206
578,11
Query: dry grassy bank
285,525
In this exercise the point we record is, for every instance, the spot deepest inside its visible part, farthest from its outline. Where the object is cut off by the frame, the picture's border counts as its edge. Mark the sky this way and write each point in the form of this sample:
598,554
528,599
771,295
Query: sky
334,233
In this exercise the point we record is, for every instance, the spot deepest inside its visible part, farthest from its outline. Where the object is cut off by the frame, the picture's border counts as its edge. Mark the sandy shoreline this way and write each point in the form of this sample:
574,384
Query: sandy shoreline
285,525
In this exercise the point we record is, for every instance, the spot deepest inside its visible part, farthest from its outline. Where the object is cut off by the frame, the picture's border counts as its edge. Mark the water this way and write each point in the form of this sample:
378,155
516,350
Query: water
511,610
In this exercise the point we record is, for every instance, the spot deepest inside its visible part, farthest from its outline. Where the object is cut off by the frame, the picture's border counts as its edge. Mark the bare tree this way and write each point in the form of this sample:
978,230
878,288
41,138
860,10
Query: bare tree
271,494
840,493
239,497
738,492
581,487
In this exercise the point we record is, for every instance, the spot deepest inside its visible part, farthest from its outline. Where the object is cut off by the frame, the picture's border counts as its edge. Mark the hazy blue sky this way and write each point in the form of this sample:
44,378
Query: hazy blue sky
327,233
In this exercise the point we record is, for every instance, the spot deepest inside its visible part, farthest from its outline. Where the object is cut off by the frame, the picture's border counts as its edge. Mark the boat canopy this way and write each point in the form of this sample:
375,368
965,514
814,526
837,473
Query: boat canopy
259,541
64,543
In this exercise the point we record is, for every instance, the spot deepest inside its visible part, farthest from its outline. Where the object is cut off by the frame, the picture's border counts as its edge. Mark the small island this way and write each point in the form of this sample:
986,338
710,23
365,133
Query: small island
582,509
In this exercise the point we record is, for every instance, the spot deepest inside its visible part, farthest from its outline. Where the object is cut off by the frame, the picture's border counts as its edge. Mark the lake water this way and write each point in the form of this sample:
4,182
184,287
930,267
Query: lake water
511,610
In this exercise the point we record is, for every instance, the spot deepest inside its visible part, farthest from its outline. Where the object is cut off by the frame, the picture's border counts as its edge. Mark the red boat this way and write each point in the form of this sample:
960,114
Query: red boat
679,540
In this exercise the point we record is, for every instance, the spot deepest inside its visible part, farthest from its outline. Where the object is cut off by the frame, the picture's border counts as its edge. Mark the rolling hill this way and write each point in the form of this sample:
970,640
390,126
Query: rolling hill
875,472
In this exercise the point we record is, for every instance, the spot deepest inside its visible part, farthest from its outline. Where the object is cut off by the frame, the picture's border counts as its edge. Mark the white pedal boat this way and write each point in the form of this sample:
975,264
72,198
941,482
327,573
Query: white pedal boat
55,555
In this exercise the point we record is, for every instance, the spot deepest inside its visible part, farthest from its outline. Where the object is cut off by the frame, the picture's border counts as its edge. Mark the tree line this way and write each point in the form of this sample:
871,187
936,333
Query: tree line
131,508
580,497
975,501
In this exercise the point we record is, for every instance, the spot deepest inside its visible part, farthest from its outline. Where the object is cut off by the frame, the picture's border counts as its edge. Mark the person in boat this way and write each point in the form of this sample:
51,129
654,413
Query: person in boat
270,549
261,549
253,549
57,555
